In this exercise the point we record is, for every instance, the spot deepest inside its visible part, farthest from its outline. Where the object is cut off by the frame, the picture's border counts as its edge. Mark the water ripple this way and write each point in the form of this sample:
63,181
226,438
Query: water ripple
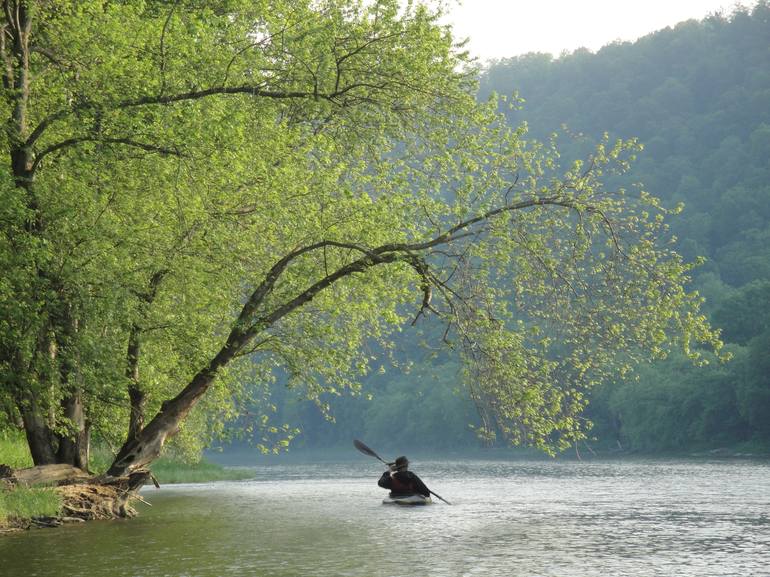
546,519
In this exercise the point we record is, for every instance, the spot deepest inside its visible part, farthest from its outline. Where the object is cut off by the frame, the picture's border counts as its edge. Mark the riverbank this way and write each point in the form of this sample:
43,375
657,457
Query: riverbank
29,507
23,507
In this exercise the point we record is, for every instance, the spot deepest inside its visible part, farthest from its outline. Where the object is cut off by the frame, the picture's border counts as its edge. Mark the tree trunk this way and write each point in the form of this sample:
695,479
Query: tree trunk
138,452
21,155
74,443
39,436
74,449
136,418
48,475
135,394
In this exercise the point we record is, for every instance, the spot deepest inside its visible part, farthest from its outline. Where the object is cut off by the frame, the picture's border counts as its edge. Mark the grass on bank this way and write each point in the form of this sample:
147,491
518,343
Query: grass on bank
15,453
172,471
25,503
21,503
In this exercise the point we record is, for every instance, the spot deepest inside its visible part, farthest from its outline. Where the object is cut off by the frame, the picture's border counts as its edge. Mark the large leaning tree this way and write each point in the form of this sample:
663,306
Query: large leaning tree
194,186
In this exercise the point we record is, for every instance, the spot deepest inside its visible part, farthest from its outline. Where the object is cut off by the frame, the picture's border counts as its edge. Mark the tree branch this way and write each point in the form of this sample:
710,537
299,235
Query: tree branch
163,48
162,150
245,328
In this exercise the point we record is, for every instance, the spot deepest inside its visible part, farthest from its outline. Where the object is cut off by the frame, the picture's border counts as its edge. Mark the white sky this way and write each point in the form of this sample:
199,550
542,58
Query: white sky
504,28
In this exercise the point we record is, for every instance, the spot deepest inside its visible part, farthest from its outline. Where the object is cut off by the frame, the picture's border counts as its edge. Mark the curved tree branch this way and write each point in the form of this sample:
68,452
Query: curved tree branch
248,89
141,450
162,150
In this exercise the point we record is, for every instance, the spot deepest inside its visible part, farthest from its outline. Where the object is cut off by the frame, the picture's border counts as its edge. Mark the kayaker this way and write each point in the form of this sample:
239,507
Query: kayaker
400,481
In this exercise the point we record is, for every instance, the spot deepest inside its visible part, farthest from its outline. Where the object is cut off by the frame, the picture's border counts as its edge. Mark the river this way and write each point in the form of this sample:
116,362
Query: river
514,518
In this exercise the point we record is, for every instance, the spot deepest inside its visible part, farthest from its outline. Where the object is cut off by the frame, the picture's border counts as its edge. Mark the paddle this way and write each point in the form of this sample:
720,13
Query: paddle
367,451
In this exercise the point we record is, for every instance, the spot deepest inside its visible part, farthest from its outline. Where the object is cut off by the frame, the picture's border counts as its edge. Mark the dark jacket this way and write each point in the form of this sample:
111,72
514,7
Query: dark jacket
403,483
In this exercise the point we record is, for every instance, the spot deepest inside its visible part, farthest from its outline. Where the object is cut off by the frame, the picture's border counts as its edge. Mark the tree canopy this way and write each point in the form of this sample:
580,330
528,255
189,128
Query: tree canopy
197,195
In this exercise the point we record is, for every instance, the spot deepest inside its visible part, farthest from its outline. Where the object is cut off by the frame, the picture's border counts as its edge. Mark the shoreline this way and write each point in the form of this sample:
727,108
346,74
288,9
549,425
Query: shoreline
23,511
243,457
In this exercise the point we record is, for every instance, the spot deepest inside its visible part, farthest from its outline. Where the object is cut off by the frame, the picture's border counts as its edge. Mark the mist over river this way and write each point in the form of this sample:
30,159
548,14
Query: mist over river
513,518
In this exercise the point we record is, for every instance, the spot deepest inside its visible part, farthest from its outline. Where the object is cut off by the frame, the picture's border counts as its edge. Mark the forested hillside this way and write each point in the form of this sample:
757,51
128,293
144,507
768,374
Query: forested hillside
698,98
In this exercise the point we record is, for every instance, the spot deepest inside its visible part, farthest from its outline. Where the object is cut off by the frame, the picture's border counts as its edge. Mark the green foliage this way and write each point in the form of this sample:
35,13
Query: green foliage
14,451
745,314
670,407
291,184
695,96
420,408
423,408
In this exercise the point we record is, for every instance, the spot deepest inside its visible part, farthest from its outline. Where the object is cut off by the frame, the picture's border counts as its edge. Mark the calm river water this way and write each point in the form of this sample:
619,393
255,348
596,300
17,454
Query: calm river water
642,518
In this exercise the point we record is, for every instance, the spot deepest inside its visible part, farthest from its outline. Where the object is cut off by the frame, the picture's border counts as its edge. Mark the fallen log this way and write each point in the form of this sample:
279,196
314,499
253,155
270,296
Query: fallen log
49,475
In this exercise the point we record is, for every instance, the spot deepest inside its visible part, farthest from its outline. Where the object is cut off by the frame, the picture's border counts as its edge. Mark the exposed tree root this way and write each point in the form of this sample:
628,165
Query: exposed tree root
84,497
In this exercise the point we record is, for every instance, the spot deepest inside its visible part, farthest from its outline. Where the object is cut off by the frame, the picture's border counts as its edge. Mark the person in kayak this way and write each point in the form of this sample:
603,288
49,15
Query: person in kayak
401,481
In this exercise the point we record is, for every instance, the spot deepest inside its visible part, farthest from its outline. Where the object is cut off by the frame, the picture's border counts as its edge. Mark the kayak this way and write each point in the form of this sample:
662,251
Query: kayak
415,499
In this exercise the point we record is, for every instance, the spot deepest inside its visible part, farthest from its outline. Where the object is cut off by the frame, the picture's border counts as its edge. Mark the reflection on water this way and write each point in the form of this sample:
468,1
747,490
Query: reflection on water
639,518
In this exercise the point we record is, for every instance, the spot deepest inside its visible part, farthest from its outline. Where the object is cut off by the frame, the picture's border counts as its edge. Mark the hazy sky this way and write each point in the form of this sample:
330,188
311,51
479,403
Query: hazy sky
502,28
